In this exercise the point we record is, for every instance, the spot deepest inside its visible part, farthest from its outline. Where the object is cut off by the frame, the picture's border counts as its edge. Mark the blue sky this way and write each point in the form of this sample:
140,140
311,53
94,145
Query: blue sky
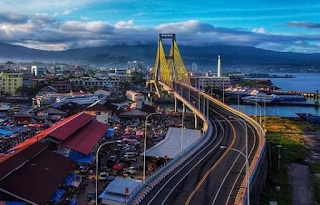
286,25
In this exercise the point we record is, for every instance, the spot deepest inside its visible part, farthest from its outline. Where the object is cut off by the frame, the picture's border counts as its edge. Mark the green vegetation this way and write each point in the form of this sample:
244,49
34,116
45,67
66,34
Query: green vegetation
287,133
31,92
256,83
281,179
214,91
137,78
315,168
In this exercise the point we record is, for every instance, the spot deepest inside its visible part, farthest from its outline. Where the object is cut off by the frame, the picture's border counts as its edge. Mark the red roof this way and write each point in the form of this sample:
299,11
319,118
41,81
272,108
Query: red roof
70,127
86,138
97,107
44,133
35,180
79,132
11,161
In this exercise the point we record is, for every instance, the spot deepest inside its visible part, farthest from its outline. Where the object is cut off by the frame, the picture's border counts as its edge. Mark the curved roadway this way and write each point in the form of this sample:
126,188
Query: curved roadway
212,175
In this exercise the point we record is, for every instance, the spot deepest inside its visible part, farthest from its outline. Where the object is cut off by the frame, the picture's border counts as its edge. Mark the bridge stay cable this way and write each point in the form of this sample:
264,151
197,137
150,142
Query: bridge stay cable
168,68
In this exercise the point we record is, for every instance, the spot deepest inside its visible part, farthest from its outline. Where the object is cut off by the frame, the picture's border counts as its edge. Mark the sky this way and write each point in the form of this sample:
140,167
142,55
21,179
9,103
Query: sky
280,25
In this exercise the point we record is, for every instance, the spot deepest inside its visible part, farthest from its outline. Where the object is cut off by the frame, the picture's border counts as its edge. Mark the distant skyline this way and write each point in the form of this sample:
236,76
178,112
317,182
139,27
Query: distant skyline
286,25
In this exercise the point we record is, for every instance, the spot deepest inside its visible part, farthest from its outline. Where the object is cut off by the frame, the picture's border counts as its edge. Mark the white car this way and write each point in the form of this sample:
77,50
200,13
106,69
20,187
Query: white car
103,176
131,170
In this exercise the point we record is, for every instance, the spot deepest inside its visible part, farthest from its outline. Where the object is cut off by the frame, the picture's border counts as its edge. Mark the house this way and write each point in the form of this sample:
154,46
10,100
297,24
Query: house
49,89
50,113
118,190
22,118
56,111
62,86
101,112
77,71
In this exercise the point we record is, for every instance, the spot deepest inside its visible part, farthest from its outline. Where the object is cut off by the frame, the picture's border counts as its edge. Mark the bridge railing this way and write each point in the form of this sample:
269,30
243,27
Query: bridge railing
255,163
143,189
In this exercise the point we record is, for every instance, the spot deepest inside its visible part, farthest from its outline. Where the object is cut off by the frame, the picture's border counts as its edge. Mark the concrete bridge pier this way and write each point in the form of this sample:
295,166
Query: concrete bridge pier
175,104
204,106
195,121
183,108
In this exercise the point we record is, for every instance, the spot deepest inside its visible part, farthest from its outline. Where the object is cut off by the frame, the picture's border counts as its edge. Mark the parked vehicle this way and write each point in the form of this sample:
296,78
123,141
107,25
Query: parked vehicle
103,176
119,143
112,158
129,156
91,195
131,170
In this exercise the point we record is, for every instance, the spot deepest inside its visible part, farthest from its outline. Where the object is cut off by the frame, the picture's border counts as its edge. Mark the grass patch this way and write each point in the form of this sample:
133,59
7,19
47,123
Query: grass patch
316,184
288,134
283,124
281,179
315,168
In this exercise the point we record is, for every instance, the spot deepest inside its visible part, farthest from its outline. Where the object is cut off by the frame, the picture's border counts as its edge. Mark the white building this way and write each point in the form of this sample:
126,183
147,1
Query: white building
89,82
136,66
102,113
102,93
35,70
202,82
134,96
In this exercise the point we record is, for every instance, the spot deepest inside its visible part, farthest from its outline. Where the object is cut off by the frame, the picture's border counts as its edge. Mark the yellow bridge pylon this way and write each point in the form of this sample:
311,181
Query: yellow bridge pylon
168,68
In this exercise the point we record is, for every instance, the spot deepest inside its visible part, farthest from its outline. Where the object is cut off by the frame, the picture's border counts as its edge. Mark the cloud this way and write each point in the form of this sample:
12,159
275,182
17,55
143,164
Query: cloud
259,30
304,24
12,18
67,12
140,14
31,6
42,31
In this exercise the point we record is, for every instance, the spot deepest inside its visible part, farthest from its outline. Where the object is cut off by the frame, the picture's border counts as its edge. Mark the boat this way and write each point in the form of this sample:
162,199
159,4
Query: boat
260,98
314,119
273,98
291,98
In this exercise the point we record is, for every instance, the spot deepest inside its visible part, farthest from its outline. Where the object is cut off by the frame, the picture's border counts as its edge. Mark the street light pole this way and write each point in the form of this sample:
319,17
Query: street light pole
145,145
182,127
97,166
246,130
260,121
247,171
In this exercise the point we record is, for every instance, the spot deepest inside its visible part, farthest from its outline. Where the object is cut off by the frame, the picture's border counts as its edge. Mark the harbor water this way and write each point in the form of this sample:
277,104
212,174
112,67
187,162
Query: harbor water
302,82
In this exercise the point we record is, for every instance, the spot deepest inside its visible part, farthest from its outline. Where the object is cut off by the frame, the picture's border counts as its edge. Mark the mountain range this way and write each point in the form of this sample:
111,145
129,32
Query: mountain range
204,57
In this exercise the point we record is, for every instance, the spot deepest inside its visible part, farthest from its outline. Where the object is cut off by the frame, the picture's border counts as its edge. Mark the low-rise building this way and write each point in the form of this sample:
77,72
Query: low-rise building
118,191
102,113
134,96
77,71
36,71
10,66
98,82
61,86
22,118
202,82
102,93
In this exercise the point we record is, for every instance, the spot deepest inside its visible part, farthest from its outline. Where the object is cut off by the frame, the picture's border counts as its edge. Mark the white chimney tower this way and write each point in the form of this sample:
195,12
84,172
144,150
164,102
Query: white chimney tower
219,67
